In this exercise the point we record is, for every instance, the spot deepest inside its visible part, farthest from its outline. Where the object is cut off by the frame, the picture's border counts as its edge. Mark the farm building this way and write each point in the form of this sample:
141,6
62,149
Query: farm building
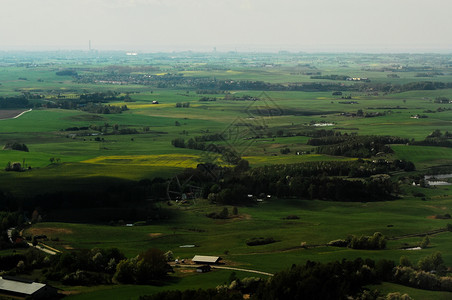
201,259
26,289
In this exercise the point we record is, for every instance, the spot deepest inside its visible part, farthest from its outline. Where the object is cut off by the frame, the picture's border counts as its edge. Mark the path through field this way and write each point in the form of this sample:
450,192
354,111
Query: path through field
12,114
243,270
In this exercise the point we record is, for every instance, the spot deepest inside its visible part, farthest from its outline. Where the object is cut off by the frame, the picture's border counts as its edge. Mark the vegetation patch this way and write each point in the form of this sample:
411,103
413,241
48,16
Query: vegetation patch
16,146
257,241
50,231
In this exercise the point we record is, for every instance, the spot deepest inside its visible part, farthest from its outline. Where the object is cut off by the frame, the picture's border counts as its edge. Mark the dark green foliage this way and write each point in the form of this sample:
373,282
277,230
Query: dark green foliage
433,262
425,242
209,294
14,166
85,267
229,155
338,243
16,146
331,77
103,109
421,279
449,227
67,72
375,242
436,138
285,150
14,102
318,281
144,269
224,214
314,180
256,241
86,278
355,146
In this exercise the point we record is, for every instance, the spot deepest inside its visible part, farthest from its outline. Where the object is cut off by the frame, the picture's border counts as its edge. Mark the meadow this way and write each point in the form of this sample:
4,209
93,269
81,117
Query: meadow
61,159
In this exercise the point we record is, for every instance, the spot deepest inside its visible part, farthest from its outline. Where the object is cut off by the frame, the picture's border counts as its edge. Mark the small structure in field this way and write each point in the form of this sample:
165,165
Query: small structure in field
203,269
26,289
202,259
155,102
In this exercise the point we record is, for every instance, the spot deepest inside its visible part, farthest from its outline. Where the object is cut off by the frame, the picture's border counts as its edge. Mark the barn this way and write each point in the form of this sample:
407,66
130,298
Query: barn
202,259
26,289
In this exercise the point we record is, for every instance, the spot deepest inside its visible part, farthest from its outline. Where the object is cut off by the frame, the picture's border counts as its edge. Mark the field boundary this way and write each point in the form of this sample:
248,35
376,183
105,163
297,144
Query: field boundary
20,114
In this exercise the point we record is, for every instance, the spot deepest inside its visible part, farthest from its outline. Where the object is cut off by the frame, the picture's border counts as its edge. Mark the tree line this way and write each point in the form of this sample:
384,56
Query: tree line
14,102
346,279
355,146
359,180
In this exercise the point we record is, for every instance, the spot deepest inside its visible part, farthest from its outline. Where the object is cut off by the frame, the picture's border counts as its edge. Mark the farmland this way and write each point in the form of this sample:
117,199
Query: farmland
110,137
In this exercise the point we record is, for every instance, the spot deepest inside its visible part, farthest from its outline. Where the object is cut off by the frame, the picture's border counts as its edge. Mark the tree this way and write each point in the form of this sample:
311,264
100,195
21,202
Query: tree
425,242
404,261
433,262
224,213
125,271
169,255
151,265
235,211
242,166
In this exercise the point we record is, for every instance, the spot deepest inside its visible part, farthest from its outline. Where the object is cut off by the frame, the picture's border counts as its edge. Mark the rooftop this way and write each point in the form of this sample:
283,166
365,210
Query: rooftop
206,259
20,286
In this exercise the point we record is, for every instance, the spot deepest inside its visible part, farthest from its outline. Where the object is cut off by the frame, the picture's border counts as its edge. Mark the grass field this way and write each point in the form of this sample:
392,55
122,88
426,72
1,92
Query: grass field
101,156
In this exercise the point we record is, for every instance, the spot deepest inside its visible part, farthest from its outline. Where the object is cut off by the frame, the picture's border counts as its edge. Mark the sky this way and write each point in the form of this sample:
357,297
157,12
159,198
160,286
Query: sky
243,25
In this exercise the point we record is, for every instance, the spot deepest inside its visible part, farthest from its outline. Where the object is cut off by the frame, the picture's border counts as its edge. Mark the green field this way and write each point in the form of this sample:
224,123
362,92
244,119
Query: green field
72,149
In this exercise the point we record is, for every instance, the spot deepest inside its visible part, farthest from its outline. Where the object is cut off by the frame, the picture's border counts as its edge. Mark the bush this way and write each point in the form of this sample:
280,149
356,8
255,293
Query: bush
292,217
425,242
260,241
85,278
16,146
338,243
449,227
143,269
224,214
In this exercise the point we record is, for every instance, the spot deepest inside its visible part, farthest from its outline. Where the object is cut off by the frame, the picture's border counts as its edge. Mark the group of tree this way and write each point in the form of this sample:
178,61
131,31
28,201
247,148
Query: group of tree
10,220
437,138
334,181
313,280
103,109
14,102
147,267
355,146
229,155
14,166
429,273
377,241
16,146
67,72
334,280
90,267
184,105
82,100
330,77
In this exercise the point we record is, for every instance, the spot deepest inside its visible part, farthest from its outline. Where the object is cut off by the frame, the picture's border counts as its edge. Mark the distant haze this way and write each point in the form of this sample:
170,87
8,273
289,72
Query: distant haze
243,25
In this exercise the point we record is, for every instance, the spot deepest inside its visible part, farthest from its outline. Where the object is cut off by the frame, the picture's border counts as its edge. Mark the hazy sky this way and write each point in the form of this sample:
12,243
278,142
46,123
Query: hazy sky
248,25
